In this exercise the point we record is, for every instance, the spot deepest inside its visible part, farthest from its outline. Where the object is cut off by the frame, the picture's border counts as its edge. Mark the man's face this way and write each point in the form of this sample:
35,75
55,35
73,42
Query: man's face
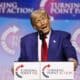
42,23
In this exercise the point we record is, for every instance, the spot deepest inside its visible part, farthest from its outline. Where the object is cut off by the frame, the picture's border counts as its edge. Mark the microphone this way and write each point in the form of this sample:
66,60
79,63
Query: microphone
41,35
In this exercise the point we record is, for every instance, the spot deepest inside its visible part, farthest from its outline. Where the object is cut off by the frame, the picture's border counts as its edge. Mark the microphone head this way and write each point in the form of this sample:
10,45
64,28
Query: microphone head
41,35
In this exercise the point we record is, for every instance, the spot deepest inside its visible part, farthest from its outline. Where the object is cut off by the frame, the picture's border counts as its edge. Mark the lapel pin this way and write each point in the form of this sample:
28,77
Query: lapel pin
54,41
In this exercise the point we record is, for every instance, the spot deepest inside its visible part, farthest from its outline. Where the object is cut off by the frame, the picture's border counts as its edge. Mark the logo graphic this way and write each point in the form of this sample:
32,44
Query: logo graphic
26,71
17,69
61,9
76,39
10,39
45,4
44,69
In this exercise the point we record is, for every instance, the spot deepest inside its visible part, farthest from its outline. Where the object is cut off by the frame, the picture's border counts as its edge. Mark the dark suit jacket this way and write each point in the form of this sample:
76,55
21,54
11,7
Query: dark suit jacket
60,47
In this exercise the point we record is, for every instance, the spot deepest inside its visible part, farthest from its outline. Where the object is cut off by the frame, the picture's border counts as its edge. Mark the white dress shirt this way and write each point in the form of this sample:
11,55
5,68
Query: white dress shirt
40,43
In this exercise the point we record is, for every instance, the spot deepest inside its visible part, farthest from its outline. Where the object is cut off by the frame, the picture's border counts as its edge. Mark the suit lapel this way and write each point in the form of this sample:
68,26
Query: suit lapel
35,47
51,51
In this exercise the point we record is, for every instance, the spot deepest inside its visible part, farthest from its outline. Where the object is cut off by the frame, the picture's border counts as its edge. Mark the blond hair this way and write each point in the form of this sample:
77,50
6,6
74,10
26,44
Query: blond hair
38,12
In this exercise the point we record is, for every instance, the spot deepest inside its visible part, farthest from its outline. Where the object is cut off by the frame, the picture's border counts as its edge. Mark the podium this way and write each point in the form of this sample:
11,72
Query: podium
43,70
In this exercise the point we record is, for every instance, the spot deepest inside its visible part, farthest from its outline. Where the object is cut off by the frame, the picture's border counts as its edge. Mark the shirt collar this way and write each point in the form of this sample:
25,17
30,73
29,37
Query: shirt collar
48,35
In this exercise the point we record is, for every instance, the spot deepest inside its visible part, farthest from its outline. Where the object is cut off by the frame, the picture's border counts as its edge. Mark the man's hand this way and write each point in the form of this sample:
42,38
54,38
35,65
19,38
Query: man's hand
75,62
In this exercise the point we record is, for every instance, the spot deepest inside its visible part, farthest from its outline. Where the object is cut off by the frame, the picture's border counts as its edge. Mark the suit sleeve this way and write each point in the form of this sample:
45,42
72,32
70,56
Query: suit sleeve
69,50
22,56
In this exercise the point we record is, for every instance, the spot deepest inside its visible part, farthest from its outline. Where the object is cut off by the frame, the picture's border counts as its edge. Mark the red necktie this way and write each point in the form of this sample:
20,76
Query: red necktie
44,50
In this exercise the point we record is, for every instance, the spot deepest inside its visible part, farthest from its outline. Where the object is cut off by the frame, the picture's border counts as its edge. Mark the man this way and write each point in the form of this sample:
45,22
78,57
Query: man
46,44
